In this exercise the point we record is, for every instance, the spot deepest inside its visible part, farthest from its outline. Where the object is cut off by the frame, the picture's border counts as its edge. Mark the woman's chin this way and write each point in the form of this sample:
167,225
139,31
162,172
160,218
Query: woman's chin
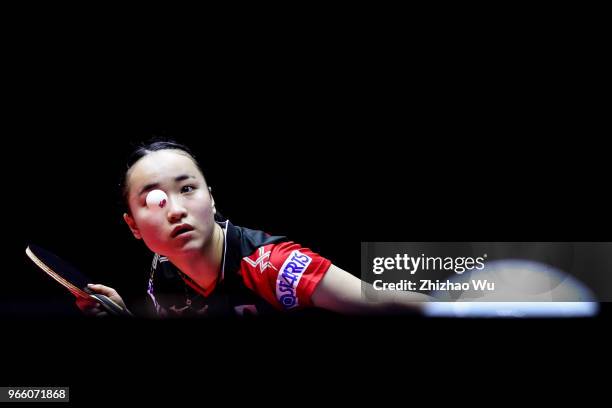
187,247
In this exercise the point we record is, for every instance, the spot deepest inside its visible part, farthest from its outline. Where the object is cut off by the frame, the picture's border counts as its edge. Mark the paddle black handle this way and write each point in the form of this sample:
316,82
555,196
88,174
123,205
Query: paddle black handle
112,307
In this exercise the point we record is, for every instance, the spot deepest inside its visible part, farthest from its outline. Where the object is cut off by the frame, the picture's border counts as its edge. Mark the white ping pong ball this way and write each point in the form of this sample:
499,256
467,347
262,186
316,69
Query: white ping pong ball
156,199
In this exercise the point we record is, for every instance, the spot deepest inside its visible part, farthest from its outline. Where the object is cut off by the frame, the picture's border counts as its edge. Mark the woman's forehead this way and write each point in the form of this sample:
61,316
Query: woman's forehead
162,165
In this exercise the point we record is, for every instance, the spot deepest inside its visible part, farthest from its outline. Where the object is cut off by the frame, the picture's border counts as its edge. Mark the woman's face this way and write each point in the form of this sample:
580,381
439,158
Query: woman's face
190,206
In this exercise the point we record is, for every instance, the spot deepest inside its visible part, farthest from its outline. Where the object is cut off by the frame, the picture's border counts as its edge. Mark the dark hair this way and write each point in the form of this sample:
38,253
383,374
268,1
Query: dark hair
143,149
154,145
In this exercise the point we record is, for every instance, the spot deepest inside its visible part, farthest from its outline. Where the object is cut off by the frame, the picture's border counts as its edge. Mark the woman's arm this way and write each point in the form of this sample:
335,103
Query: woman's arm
341,292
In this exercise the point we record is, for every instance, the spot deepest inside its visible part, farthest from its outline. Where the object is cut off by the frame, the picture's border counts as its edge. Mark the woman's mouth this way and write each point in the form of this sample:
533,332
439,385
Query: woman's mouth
181,229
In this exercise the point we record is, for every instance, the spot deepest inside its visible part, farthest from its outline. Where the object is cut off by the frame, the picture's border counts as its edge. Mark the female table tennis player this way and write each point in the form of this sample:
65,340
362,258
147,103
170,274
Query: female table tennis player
205,265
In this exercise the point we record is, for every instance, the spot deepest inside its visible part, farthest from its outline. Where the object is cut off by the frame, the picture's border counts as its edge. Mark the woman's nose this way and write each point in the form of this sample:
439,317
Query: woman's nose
175,210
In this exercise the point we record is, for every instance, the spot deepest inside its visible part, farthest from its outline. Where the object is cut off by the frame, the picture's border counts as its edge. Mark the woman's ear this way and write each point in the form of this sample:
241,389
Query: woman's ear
132,224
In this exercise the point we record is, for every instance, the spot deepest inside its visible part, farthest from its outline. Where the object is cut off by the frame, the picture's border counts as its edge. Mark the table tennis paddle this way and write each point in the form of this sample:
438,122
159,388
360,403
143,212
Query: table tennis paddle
71,278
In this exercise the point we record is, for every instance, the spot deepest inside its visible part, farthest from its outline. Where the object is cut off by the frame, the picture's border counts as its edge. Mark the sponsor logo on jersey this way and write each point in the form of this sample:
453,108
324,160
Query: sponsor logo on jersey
289,278
262,260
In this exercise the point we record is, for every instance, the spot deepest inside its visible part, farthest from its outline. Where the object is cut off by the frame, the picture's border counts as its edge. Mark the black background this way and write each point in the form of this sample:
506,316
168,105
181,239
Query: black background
330,136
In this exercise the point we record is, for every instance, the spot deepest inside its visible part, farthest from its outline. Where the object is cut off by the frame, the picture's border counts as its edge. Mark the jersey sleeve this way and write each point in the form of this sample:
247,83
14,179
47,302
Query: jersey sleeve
285,274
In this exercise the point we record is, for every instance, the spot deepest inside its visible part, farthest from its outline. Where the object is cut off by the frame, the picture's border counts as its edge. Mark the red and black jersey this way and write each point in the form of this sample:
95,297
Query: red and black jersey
260,274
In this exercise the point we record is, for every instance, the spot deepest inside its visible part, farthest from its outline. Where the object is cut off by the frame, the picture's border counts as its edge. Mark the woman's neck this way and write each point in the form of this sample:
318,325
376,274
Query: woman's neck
203,268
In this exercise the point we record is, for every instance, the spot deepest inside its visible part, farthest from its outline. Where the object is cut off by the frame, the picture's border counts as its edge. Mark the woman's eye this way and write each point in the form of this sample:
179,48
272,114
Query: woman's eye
187,189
